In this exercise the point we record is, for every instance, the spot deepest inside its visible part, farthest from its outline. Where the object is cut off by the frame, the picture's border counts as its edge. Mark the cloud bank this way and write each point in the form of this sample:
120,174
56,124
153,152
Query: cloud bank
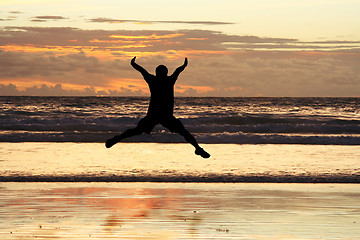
72,61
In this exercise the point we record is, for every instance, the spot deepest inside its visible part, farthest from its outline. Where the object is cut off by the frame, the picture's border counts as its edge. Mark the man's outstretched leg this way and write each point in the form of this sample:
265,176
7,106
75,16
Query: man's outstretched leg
175,125
145,125
190,139
128,133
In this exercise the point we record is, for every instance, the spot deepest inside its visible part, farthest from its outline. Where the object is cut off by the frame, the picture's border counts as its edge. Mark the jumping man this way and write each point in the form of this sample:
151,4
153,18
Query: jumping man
161,107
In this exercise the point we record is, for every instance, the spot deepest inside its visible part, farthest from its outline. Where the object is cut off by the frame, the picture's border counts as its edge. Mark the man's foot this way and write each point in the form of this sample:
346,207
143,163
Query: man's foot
202,153
110,142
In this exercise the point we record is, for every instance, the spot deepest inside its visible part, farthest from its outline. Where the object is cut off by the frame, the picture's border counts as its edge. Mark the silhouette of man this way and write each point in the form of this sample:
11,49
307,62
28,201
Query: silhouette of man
161,107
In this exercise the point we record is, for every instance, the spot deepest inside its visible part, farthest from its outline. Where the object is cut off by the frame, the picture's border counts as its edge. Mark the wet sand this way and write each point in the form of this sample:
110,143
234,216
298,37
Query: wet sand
179,211
178,163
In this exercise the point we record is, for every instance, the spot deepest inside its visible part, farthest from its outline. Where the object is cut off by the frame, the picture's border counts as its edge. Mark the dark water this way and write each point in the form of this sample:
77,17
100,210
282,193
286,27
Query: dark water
212,120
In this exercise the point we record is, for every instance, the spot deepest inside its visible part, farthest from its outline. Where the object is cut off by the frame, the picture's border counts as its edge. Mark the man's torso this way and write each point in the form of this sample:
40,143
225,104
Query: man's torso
162,96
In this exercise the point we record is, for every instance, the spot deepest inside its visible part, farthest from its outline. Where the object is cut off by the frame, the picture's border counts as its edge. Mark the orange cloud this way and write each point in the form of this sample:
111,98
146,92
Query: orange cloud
101,53
118,83
106,53
114,86
110,41
32,48
197,39
176,54
23,84
153,36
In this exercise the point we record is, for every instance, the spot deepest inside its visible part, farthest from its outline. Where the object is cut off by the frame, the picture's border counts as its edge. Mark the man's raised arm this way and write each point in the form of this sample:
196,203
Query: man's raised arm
180,69
139,68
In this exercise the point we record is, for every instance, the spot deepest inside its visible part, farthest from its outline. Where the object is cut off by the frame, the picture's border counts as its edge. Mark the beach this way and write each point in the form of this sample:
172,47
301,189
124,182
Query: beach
280,168
84,191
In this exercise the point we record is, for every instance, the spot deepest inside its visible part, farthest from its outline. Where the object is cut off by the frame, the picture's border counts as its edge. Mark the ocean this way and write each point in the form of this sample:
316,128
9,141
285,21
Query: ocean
57,139
322,121
262,181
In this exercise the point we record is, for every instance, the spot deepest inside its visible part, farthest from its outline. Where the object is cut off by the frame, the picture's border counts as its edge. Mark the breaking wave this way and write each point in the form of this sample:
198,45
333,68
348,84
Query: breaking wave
205,178
211,120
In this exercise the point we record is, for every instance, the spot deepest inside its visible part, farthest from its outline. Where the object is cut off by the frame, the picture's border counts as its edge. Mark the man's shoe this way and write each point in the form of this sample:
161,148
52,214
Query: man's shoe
110,142
202,153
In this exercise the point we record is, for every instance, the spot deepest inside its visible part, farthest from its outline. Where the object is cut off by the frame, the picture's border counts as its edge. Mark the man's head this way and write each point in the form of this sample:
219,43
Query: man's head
161,71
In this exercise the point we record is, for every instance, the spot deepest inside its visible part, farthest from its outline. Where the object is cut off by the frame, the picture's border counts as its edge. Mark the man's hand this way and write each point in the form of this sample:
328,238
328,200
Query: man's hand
139,68
180,69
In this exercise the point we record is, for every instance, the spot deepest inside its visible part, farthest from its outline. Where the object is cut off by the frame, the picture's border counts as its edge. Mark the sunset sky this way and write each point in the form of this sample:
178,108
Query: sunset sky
235,48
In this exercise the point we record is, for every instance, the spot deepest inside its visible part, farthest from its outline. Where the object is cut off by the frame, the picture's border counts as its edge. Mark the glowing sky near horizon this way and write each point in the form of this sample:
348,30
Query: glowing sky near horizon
235,48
